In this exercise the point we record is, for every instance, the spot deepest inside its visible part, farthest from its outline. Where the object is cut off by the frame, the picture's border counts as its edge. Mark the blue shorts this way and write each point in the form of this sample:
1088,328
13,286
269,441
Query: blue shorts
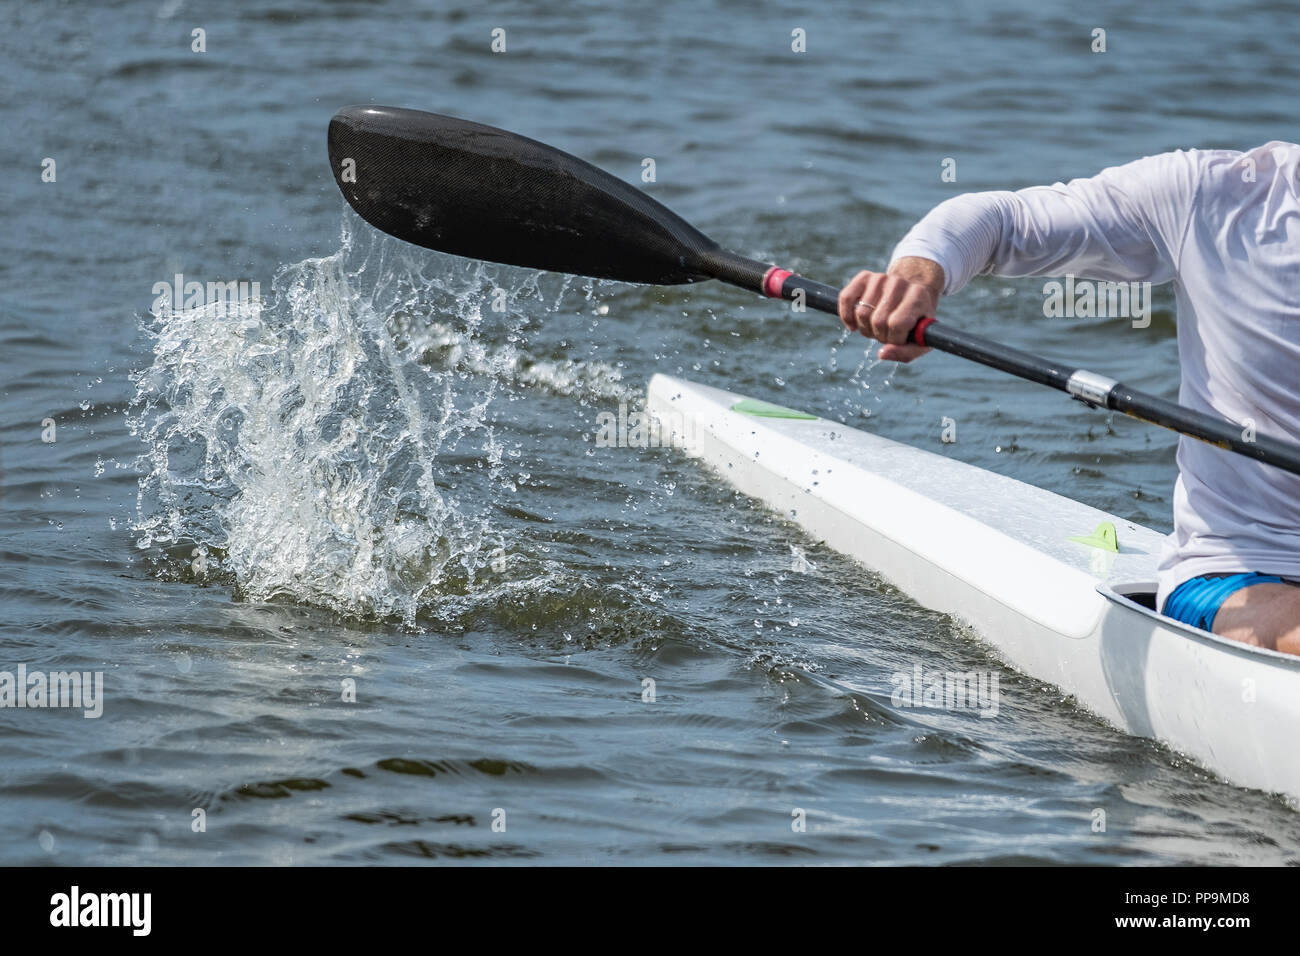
1197,600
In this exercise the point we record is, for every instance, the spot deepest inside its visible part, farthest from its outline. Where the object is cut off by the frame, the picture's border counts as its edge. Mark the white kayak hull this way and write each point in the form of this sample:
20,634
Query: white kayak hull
995,553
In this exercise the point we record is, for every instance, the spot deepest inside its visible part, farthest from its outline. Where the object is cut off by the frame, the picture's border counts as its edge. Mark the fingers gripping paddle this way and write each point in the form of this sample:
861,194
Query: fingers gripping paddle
484,193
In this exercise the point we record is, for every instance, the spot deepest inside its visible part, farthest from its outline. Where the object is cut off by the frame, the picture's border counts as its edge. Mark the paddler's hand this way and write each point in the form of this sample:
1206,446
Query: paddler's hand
887,305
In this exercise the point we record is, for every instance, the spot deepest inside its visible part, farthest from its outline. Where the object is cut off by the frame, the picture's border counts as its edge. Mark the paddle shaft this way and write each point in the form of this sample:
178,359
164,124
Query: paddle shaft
473,190
1090,388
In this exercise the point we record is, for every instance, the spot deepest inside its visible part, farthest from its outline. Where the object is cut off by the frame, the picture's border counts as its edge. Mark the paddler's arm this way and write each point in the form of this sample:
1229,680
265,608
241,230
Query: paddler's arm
1124,224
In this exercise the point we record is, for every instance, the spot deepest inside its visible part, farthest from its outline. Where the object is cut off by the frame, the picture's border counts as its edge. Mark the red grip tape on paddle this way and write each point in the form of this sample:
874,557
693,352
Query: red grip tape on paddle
918,333
774,281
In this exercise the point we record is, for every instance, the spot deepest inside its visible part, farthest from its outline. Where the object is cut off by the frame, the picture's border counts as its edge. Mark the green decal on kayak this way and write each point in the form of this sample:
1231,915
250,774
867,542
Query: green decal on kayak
1103,537
752,406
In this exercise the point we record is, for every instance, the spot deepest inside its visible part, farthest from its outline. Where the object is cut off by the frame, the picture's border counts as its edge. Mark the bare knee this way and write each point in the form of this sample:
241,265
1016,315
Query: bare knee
1263,615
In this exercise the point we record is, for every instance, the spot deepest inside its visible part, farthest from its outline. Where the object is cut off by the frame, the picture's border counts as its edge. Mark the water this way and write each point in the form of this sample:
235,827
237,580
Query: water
359,578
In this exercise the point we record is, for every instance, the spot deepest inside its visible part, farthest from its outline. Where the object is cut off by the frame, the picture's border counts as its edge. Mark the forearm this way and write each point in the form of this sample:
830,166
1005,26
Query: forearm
1124,224
960,238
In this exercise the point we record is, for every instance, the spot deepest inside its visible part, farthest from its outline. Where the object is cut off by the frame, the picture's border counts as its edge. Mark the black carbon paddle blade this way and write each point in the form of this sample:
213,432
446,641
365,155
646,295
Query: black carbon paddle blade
476,191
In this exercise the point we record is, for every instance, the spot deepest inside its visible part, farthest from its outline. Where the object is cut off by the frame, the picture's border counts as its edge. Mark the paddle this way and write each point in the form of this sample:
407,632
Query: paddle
481,192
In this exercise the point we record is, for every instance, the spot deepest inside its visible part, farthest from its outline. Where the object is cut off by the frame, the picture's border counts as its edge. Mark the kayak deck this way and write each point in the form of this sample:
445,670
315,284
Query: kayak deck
998,555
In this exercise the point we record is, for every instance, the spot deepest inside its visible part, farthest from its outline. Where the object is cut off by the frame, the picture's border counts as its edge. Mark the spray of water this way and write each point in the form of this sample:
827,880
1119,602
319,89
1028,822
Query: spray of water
334,444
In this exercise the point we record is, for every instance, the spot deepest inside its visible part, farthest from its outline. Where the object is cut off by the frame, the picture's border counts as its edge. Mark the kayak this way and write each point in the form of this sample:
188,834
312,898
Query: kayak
1064,591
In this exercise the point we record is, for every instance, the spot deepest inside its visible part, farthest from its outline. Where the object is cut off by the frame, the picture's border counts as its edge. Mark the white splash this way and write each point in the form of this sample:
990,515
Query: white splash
310,444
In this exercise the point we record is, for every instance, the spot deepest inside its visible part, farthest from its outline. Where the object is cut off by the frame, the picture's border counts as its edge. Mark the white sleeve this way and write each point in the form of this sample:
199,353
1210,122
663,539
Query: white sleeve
1123,225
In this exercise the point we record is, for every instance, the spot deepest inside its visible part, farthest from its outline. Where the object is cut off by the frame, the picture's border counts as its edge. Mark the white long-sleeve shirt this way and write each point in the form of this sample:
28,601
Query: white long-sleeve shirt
1224,227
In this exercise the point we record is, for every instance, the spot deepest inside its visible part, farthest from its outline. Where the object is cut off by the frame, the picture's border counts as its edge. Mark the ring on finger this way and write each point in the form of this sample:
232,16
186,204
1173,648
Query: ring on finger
866,305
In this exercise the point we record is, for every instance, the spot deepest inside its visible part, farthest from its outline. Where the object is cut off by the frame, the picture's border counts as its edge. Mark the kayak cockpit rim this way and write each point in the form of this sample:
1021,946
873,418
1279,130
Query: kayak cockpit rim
1139,597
